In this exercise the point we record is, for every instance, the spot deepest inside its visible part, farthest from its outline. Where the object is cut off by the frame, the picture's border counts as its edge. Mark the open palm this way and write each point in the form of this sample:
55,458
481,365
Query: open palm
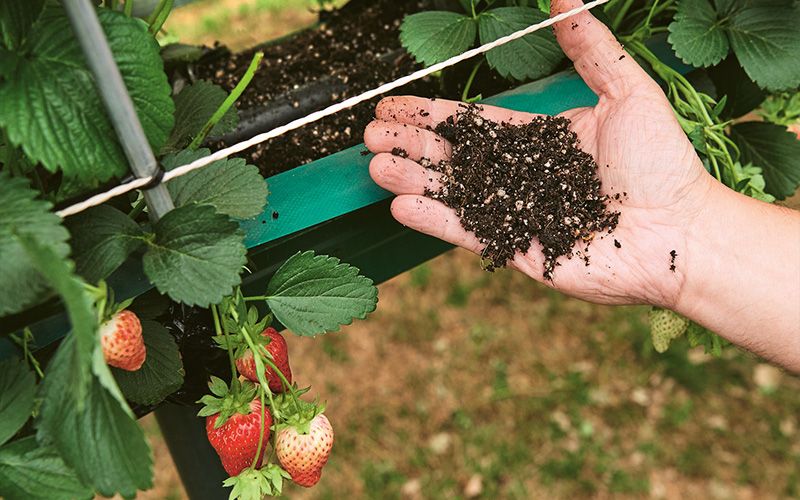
632,134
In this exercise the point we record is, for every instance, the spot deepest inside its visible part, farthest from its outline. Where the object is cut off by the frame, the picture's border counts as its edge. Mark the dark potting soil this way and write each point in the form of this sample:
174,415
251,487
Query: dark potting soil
350,45
512,183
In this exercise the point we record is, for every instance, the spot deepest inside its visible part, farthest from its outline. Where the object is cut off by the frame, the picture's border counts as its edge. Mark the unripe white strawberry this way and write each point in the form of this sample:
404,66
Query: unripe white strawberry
304,455
122,341
666,326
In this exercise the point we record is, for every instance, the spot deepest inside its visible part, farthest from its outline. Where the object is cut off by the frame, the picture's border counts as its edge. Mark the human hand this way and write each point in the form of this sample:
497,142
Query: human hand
633,135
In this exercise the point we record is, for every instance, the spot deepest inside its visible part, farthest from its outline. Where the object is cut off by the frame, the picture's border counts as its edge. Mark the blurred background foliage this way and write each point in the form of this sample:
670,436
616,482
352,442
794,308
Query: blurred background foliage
472,385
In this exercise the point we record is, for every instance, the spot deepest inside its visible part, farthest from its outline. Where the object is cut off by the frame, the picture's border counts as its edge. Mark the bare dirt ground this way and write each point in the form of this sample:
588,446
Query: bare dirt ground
472,385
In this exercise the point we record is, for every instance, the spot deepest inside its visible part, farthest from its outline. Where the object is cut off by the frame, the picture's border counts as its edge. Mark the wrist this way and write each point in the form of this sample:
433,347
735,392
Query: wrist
742,277
705,246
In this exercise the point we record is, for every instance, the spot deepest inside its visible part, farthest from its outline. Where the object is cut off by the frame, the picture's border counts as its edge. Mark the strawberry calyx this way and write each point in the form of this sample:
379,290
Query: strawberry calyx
103,296
233,338
295,413
227,401
255,484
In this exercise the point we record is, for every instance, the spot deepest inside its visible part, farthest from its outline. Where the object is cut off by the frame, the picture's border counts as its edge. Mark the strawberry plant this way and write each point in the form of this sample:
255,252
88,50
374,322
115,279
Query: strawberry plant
433,36
742,54
68,410
263,408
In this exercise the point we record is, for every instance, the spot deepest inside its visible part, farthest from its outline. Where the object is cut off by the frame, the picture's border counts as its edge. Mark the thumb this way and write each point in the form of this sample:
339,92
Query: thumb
600,60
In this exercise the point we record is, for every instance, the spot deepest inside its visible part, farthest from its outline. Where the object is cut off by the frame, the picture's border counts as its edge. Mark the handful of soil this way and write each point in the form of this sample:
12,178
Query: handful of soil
512,183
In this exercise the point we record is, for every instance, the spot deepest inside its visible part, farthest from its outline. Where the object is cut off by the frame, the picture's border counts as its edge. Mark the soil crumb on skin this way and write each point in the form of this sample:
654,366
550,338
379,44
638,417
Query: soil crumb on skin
512,183
402,153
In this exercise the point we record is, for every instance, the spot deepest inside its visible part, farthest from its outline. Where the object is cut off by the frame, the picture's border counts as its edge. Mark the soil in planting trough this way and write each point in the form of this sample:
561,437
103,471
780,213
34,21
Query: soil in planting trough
353,49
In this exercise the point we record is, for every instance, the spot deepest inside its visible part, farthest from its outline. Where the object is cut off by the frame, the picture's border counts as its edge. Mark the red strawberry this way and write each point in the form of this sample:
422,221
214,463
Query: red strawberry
236,441
122,341
304,455
277,348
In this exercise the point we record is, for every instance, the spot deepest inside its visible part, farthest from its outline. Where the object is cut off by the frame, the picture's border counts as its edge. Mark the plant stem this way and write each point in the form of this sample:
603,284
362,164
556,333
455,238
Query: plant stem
260,369
129,8
220,331
715,166
283,378
27,337
644,31
137,209
159,16
468,85
620,15
252,298
259,360
686,101
650,14
260,432
229,101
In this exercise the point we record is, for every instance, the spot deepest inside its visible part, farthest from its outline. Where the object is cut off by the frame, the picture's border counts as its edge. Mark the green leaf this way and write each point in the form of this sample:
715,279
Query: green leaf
257,484
782,109
725,7
50,105
217,386
531,56
22,214
102,238
17,388
196,256
698,138
711,342
697,34
16,18
231,186
194,105
434,36
162,372
8,61
544,6
766,41
104,377
30,471
775,150
730,80
312,294
104,445
150,305
80,309
751,182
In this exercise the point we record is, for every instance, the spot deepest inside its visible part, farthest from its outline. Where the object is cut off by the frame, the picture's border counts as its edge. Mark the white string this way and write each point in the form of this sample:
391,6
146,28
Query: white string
317,115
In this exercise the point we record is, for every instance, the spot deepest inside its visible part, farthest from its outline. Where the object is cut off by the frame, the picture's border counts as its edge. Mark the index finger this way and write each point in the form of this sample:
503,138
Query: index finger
427,113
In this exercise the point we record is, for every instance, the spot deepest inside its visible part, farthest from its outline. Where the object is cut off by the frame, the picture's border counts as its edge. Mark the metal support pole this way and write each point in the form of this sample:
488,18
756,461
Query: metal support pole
184,433
120,108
